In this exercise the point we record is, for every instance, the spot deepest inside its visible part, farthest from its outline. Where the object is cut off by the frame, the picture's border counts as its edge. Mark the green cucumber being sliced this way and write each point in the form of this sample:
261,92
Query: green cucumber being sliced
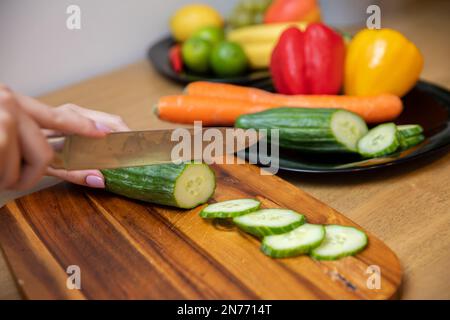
379,141
305,129
409,130
406,143
230,208
184,186
293,243
340,242
269,221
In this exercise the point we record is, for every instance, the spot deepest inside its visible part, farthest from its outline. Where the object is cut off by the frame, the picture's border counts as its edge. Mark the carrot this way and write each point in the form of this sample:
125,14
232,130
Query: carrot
373,109
211,111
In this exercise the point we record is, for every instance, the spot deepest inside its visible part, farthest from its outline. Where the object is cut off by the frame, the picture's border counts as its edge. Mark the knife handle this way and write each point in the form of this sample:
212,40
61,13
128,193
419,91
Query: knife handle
57,144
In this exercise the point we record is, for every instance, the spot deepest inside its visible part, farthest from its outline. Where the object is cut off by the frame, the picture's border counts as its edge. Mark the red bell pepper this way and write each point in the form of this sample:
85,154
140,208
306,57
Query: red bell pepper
309,62
176,58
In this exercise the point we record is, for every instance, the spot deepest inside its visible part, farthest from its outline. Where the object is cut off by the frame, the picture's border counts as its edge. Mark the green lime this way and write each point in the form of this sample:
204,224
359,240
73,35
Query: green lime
213,35
228,59
196,53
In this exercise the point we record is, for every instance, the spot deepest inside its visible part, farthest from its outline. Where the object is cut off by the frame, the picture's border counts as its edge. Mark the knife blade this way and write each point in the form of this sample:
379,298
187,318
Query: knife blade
139,148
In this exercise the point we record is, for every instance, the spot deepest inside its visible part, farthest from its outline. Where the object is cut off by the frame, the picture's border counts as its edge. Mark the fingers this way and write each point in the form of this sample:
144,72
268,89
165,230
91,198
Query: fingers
9,146
104,121
89,178
63,119
111,121
36,152
9,151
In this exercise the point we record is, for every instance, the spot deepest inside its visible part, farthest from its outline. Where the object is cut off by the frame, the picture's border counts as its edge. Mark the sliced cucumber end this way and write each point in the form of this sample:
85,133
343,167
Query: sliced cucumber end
194,186
380,141
230,208
348,128
409,130
406,143
339,242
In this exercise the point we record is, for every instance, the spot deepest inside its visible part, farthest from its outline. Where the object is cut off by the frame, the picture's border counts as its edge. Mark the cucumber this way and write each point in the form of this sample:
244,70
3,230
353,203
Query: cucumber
409,130
230,208
269,221
305,129
340,242
184,186
406,143
296,242
380,141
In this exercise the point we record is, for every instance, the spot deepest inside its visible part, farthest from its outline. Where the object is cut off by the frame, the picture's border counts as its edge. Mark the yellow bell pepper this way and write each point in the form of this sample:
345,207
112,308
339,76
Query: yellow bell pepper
381,61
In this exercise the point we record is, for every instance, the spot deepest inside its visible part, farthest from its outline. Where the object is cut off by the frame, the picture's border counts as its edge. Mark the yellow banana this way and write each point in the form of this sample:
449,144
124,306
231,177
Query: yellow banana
258,41
259,54
262,32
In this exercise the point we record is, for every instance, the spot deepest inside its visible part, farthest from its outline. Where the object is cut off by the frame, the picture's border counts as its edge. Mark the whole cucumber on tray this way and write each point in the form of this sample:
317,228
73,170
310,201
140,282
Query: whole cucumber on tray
305,129
184,186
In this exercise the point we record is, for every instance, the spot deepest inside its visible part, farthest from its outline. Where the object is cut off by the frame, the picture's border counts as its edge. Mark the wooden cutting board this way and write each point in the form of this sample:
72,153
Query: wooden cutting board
127,249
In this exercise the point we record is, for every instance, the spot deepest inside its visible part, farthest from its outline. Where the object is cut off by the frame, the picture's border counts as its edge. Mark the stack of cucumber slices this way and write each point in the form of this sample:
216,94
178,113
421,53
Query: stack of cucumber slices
285,233
388,138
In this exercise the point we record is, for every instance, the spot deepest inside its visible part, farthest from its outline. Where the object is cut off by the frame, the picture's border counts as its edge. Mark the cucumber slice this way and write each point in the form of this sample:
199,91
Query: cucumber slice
348,128
380,141
406,143
269,221
340,242
230,208
296,242
409,130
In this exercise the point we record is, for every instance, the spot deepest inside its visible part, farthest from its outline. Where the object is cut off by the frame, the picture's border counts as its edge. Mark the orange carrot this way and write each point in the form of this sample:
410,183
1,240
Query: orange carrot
211,110
373,109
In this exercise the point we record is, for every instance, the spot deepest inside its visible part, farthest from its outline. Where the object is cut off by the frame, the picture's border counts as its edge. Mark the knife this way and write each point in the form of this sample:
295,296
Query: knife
139,148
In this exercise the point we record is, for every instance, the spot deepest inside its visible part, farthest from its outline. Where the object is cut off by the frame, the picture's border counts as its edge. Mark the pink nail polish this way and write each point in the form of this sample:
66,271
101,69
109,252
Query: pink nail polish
101,127
95,182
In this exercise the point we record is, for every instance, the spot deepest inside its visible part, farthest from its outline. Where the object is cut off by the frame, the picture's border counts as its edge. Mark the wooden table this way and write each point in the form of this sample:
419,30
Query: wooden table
407,206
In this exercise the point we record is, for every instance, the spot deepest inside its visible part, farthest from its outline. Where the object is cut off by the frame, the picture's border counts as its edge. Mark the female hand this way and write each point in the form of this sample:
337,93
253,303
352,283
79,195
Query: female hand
24,151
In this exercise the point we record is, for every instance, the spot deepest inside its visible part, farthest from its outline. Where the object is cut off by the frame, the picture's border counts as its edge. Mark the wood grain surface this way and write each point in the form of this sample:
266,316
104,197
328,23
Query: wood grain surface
406,206
131,250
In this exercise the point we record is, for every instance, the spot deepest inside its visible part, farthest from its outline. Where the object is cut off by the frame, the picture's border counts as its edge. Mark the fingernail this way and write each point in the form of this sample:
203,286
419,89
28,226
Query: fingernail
95,181
101,127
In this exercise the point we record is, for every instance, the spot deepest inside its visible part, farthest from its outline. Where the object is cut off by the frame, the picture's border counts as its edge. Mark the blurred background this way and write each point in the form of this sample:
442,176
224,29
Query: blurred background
39,54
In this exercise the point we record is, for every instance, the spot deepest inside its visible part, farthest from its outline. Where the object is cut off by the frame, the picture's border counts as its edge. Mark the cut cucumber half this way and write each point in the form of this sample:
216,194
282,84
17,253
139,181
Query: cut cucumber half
230,208
380,141
293,243
269,221
184,185
306,129
340,242
406,143
409,130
